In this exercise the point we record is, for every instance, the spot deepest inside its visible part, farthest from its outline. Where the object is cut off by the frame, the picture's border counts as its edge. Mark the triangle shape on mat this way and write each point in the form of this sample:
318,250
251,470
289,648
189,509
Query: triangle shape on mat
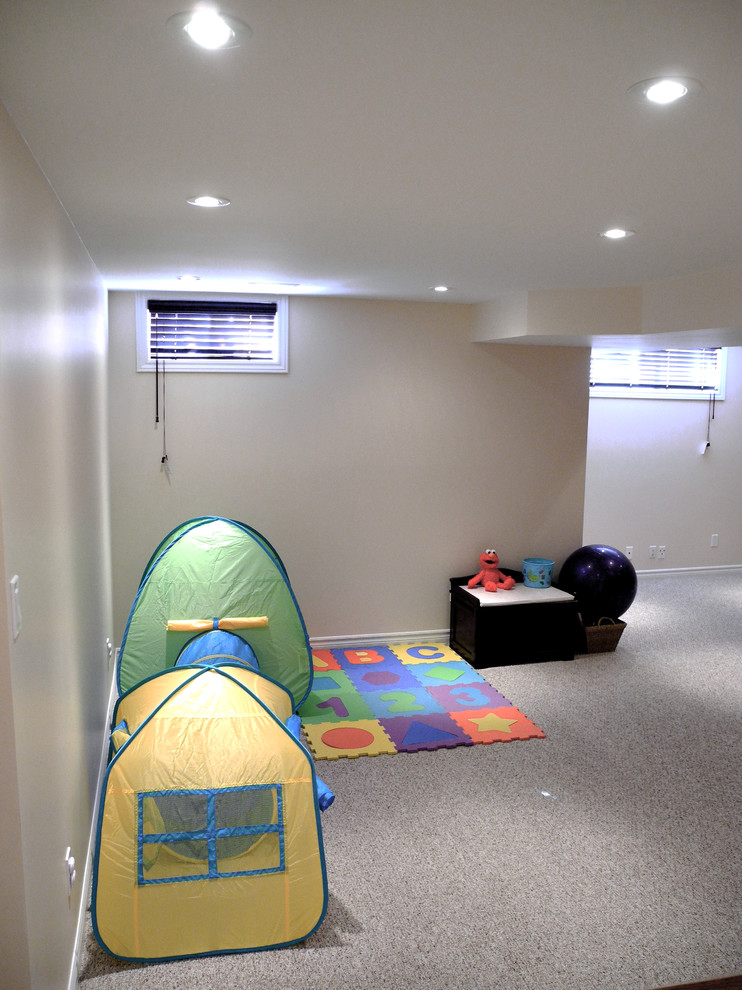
419,732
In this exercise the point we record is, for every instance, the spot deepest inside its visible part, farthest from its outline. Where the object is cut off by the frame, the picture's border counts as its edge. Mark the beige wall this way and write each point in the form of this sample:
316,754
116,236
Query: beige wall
647,484
54,516
702,309
389,457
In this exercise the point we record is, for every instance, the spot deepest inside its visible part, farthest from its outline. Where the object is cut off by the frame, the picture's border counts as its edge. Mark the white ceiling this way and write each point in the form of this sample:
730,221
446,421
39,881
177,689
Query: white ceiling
376,148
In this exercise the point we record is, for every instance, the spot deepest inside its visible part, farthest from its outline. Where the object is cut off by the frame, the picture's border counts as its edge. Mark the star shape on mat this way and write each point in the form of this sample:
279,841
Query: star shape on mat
492,722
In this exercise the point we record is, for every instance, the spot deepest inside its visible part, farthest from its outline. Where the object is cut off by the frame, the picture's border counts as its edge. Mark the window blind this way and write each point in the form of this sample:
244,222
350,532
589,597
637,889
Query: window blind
182,330
663,372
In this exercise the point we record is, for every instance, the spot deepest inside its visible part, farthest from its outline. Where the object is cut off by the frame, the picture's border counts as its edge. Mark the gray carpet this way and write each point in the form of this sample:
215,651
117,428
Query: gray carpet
452,871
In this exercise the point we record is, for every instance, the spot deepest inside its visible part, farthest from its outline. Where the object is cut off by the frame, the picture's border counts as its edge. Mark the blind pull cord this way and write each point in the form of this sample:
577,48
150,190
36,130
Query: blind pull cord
708,422
711,415
163,459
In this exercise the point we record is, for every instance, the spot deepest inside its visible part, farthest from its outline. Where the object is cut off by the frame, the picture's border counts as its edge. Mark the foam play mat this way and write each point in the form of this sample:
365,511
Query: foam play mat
401,699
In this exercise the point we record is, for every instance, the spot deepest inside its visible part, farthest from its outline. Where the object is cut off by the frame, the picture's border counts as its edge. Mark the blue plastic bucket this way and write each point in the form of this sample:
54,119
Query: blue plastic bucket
537,572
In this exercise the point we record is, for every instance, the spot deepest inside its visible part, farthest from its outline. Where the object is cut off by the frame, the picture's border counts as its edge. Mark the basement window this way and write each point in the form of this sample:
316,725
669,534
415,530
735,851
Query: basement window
692,373
212,333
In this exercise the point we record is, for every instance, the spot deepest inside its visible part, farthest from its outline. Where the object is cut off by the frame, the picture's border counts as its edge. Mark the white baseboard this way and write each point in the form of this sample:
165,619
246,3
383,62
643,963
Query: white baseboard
690,570
378,639
87,877
359,640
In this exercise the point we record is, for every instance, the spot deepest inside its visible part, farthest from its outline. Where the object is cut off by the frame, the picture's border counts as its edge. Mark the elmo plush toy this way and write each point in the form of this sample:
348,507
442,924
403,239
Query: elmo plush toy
492,578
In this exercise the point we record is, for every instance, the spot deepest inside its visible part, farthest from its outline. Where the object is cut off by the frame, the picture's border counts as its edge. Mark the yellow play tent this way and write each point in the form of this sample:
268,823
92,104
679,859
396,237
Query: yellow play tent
208,837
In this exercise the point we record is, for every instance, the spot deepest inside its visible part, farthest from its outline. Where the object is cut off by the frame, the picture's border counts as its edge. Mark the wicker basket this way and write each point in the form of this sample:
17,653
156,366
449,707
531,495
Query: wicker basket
604,636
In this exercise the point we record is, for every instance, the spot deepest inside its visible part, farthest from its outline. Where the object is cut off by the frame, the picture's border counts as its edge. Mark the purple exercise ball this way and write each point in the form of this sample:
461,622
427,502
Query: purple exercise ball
602,579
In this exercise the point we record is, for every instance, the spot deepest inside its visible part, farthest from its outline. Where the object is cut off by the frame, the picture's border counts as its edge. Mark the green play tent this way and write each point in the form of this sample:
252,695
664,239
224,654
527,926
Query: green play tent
216,570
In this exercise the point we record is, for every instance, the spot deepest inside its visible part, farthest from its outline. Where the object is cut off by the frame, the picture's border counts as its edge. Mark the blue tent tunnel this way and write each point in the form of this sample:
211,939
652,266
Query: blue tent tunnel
215,645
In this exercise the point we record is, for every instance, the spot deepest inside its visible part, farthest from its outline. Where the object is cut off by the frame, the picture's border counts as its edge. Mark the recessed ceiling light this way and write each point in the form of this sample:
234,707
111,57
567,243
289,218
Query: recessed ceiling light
616,233
189,279
209,202
209,28
664,90
440,288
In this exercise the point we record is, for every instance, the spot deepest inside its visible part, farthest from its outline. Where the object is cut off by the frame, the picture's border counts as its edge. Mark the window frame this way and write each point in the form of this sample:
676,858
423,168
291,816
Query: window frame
277,365
658,391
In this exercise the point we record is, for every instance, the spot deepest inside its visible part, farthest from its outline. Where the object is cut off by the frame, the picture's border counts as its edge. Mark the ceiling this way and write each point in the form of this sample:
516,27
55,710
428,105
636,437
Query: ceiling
376,148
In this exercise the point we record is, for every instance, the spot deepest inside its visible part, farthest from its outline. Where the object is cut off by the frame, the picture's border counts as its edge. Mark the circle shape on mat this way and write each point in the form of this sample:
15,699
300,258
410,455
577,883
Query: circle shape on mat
347,737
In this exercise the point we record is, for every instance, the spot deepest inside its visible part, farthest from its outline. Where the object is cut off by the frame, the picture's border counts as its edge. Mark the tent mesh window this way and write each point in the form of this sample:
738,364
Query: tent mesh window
226,832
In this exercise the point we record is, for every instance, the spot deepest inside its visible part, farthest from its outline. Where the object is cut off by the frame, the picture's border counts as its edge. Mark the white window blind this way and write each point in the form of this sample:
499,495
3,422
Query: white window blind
212,334
672,373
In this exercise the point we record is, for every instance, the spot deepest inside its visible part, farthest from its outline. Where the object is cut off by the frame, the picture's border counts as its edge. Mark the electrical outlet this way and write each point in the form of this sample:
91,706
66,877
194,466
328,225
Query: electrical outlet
661,552
652,553
629,552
